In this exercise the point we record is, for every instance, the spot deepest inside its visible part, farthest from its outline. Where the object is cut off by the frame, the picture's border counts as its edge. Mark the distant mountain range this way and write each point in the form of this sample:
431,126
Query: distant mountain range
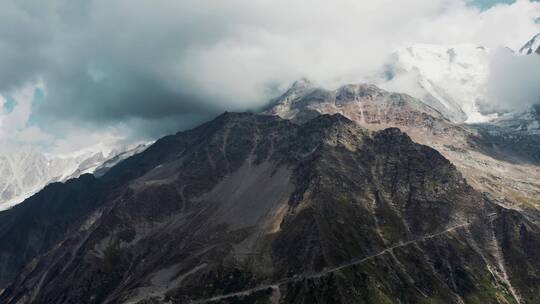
24,170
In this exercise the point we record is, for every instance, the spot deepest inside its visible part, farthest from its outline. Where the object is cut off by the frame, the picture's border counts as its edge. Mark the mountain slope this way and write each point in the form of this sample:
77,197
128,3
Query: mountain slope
492,163
256,209
35,226
30,229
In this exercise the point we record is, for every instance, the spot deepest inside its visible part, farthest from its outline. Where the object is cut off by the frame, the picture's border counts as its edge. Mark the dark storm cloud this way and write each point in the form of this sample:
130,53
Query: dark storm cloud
22,30
107,61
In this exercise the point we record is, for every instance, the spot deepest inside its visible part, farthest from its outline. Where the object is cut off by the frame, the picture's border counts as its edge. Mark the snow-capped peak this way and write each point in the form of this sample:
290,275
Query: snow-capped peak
24,170
532,46
449,78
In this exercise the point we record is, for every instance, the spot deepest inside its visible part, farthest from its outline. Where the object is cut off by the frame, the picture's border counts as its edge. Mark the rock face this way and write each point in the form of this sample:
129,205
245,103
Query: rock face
257,209
493,157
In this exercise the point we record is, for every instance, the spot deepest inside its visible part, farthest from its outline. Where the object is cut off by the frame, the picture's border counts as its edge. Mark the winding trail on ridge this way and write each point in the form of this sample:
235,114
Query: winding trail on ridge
326,271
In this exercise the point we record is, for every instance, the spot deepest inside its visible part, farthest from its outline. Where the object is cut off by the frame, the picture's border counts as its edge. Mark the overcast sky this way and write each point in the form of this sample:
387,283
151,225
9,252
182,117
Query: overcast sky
73,72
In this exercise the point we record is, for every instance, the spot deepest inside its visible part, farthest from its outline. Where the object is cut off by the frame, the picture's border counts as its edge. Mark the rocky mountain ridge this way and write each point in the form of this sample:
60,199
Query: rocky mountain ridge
257,209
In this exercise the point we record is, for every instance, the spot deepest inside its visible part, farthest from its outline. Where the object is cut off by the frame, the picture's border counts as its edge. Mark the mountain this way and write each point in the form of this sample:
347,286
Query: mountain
367,104
350,195
526,121
450,79
253,208
118,156
518,130
480,152
24,170
532,46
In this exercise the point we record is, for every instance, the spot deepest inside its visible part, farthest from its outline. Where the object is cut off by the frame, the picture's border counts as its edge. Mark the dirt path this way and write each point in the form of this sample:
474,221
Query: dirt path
329,270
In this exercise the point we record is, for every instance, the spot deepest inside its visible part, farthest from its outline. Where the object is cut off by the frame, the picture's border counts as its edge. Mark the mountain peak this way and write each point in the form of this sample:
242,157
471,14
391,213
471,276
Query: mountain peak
301,84
364,103
298,87
532,46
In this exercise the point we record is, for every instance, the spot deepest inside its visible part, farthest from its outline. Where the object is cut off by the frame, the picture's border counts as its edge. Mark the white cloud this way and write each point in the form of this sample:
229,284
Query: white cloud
340,41
16,127
513,81
15,124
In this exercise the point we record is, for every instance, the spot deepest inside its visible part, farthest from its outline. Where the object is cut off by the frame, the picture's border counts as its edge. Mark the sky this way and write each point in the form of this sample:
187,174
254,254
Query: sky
485,4
78,72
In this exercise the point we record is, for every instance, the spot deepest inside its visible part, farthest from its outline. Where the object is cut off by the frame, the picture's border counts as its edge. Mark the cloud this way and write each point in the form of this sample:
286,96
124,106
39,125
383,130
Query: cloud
15,124
513,81
150,67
